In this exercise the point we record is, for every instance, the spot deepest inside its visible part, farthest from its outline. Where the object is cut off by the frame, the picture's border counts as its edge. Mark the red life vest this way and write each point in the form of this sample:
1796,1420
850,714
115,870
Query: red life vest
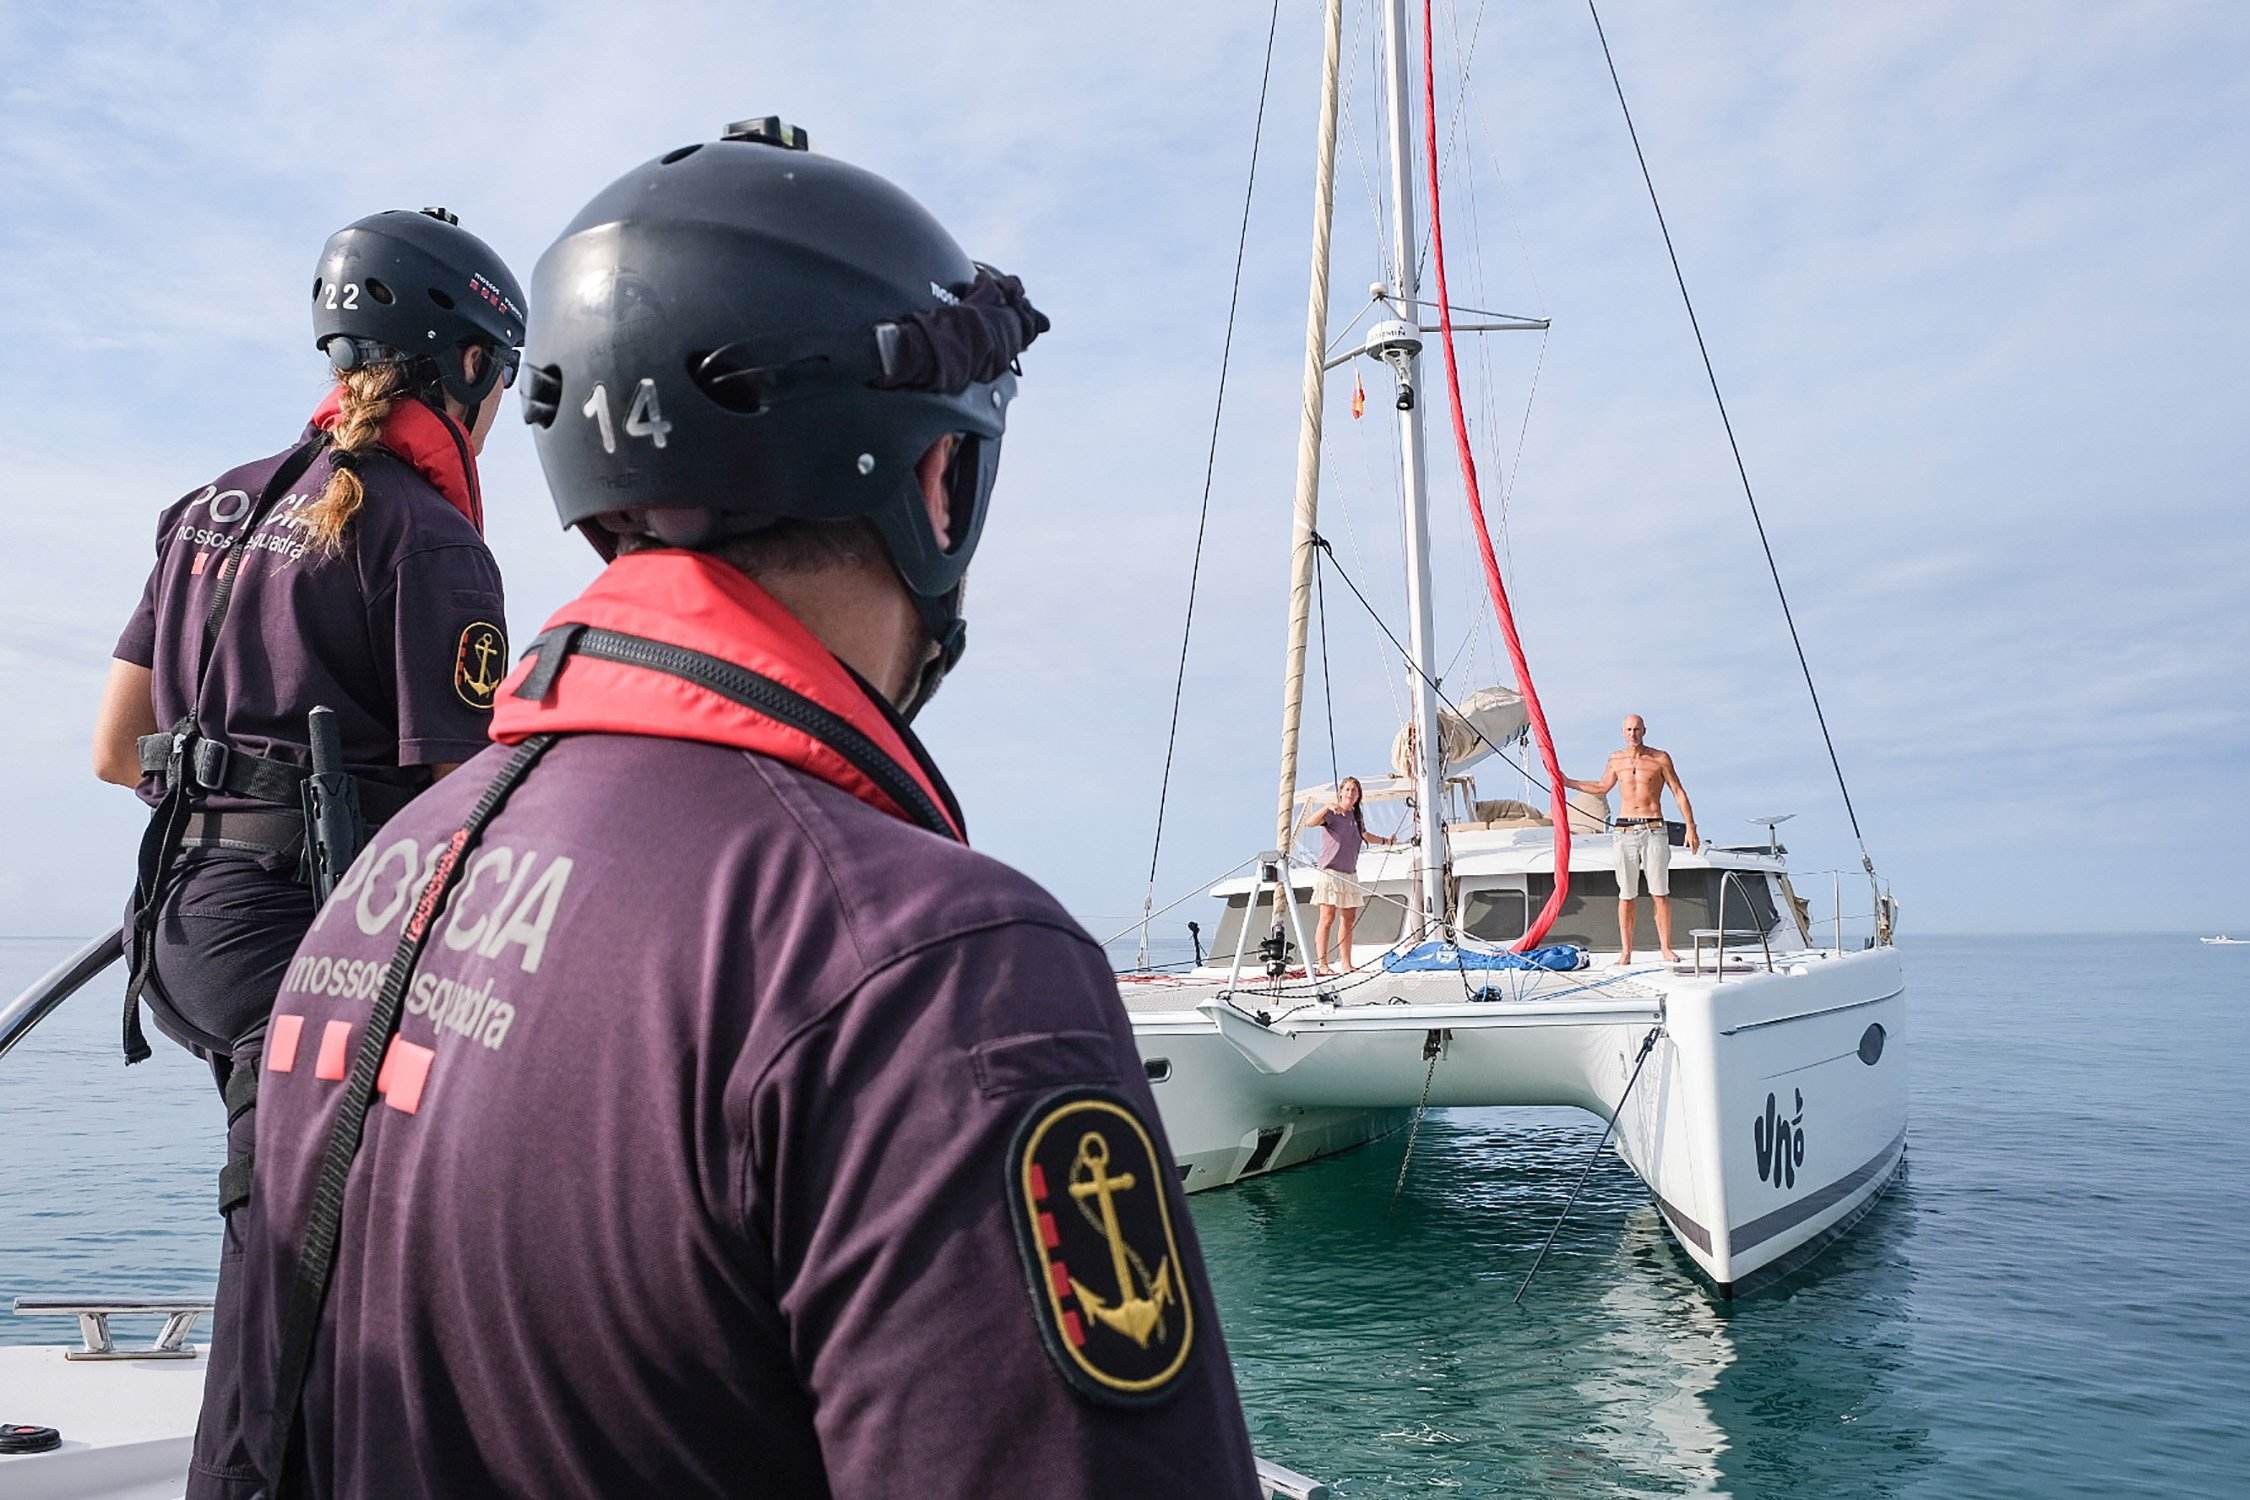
694,601
431,442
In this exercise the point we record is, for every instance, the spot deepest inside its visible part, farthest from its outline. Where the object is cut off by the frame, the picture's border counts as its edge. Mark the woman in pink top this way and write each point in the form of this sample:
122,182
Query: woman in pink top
1336,889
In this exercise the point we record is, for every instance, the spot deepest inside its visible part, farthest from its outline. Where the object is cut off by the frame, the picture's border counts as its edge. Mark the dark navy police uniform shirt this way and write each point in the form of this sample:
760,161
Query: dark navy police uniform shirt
401,633
733,1143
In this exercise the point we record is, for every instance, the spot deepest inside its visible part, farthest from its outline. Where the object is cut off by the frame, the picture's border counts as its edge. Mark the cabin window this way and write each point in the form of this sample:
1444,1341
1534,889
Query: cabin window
1380,920
1497,914
1749,893
1589,915
1221,951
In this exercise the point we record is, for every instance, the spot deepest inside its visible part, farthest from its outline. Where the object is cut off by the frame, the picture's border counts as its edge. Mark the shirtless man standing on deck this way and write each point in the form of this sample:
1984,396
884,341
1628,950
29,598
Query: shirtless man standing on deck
1642,842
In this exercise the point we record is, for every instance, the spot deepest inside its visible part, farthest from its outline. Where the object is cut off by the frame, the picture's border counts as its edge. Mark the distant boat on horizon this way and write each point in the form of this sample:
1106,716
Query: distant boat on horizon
2223,941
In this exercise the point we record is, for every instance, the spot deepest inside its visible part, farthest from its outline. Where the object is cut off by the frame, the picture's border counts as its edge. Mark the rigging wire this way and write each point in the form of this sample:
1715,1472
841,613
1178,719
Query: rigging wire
1341,505
1327,683
1193,891
1648,1044
1359,157
1399,646
1210,467
1508,490
1487,406
1539,300
1460,106
1479,620
1498,590
1740,468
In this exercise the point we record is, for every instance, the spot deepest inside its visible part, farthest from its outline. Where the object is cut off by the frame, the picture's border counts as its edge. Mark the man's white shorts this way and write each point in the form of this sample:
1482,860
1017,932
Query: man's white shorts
1647,847
1334,888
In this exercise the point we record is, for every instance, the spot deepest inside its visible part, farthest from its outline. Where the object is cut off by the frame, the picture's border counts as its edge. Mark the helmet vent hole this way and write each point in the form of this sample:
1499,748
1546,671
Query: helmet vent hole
542,394
682,154
379,291
441,299
964,485
730,378
317,285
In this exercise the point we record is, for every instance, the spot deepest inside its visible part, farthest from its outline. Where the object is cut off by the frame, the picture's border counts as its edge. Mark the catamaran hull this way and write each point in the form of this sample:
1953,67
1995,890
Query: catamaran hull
1787,1119
1223,1126
1768,1118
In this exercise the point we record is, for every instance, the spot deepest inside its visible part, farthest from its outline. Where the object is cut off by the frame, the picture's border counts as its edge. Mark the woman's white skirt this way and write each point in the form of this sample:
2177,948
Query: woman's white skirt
1335,888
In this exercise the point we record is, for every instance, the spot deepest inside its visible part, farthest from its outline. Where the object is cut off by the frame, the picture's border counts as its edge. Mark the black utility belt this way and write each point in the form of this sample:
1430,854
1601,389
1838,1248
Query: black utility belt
216,768
254,830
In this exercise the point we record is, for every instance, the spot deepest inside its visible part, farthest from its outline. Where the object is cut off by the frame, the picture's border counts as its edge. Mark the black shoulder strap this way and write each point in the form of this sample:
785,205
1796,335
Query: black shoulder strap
316,1256
167,825
230,567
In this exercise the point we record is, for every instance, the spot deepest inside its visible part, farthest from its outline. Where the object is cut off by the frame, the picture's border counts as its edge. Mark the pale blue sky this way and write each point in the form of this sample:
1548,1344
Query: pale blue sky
1972,275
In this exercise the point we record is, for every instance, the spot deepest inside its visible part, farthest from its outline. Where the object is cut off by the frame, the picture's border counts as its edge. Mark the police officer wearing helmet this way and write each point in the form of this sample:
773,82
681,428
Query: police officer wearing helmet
349,573
721,1124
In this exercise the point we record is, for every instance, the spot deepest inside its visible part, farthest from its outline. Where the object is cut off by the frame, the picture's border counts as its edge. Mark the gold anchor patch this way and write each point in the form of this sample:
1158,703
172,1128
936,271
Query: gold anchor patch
1094,1221
479,663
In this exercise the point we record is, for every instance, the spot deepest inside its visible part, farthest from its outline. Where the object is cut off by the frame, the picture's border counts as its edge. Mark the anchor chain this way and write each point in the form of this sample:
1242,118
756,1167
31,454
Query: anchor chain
1433,1046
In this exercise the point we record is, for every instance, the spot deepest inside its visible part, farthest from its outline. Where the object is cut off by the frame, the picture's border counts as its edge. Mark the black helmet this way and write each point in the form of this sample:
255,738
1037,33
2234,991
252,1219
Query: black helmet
740,332
417,285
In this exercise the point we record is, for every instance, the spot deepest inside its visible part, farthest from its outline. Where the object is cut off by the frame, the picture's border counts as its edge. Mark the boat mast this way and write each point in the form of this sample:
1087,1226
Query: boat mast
1400,346
1307,509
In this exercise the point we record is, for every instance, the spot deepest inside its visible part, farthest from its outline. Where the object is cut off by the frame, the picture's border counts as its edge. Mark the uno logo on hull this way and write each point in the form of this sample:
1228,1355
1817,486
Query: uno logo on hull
1780,1142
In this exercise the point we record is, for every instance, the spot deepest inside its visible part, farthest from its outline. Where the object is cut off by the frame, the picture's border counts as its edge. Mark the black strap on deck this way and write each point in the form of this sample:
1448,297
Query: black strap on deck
316,1256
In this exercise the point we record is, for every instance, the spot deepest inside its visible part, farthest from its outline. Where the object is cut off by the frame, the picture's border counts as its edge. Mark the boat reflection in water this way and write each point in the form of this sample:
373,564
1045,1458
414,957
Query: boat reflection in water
1381,1337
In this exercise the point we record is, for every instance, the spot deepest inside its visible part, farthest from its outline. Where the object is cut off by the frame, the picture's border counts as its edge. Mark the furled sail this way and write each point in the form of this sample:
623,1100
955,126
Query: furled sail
1468,733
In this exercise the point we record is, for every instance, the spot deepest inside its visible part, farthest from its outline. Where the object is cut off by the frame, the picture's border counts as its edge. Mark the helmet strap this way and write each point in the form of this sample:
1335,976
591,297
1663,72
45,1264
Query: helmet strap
941,617
470,393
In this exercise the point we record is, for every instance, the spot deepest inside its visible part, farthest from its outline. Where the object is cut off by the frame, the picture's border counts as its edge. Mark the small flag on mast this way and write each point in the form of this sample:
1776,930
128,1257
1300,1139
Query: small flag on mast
1359,397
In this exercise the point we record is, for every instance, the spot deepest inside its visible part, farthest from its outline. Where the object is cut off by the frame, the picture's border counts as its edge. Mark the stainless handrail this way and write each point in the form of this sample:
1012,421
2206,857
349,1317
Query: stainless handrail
57,985
1765,938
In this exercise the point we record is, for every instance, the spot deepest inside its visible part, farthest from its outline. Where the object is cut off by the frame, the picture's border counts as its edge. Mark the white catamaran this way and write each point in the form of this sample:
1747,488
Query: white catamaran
1759,1086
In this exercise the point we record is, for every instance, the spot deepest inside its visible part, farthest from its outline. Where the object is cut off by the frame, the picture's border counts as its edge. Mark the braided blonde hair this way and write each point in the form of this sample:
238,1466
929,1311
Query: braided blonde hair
369,397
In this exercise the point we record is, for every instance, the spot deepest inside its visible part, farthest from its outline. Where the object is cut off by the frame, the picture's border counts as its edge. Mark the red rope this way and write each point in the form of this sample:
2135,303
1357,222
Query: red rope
1499,592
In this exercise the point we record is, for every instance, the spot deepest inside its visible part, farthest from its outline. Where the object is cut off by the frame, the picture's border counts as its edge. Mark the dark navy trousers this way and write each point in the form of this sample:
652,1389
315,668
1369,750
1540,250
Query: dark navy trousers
230,925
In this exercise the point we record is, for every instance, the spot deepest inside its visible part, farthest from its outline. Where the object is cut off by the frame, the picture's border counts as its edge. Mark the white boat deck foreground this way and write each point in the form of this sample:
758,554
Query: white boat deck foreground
127,1428
126,1424
126,1415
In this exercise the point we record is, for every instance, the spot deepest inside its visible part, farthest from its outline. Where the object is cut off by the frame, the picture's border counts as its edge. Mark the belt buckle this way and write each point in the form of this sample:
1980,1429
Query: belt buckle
210,763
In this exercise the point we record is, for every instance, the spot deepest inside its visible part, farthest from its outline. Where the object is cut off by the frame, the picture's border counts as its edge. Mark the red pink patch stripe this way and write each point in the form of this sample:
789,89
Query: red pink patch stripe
281,1043
406,1067
335,1039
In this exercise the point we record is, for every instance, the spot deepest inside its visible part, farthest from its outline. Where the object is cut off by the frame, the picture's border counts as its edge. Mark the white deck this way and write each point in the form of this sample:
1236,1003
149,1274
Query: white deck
126,1425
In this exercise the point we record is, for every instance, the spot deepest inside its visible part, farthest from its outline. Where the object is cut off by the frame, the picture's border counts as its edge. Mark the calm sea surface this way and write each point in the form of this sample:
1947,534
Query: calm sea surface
2054,1302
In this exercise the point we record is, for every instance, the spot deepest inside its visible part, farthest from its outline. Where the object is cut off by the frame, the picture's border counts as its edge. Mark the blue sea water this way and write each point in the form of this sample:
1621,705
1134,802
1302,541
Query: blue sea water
2055,1301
